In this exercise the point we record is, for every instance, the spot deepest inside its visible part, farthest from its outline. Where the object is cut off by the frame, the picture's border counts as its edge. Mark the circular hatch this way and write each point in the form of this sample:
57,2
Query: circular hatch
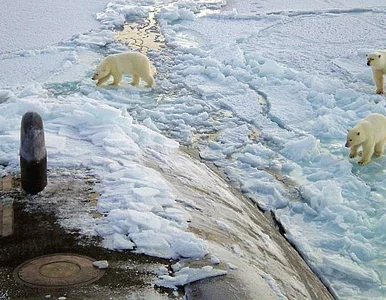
57,270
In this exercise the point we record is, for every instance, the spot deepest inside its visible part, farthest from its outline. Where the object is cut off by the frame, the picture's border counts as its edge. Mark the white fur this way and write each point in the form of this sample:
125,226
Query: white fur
377,61
370,134
134,63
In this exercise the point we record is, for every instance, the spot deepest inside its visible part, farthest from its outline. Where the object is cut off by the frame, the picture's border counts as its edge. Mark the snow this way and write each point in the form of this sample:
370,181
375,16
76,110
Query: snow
265,90
101,264
187,275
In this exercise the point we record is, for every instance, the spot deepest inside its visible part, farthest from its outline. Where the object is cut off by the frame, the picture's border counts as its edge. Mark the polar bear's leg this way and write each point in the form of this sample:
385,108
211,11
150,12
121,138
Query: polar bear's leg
135,80
354,151
379,148
117,78
149,79
378,79
368,151
103,79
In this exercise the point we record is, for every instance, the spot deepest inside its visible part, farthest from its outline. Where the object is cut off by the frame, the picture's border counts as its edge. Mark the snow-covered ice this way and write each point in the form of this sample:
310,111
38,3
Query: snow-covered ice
188,275
101,264
265,90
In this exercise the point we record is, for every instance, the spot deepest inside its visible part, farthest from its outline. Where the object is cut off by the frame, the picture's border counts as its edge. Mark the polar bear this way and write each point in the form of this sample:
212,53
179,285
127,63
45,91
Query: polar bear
370,134
377,61
116,65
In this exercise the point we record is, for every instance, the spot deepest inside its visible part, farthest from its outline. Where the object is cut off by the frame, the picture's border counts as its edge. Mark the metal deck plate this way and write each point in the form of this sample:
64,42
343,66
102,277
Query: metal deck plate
57,270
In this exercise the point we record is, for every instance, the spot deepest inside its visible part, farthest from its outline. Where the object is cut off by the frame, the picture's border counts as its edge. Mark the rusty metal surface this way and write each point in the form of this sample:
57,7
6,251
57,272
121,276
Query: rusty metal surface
6,208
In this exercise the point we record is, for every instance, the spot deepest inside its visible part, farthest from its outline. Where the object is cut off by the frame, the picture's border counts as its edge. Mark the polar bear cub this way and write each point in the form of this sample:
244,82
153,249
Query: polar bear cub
377,61
134,63
370,134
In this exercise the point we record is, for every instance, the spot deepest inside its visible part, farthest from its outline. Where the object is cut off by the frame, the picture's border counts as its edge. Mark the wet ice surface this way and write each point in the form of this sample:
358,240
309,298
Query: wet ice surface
265,91
144,35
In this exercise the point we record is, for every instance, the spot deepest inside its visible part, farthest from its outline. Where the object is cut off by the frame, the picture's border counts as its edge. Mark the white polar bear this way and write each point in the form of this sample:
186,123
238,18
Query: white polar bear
377,61
370,134
134,63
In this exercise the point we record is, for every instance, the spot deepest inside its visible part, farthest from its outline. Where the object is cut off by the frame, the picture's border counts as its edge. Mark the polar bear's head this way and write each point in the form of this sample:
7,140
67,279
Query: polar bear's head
374,59
101,71
355,136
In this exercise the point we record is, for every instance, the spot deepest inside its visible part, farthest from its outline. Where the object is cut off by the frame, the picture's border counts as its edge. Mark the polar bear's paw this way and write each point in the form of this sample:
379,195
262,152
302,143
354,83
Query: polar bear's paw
363,162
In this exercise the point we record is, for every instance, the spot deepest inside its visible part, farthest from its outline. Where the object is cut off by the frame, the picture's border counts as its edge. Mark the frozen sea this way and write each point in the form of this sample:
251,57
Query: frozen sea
265,90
